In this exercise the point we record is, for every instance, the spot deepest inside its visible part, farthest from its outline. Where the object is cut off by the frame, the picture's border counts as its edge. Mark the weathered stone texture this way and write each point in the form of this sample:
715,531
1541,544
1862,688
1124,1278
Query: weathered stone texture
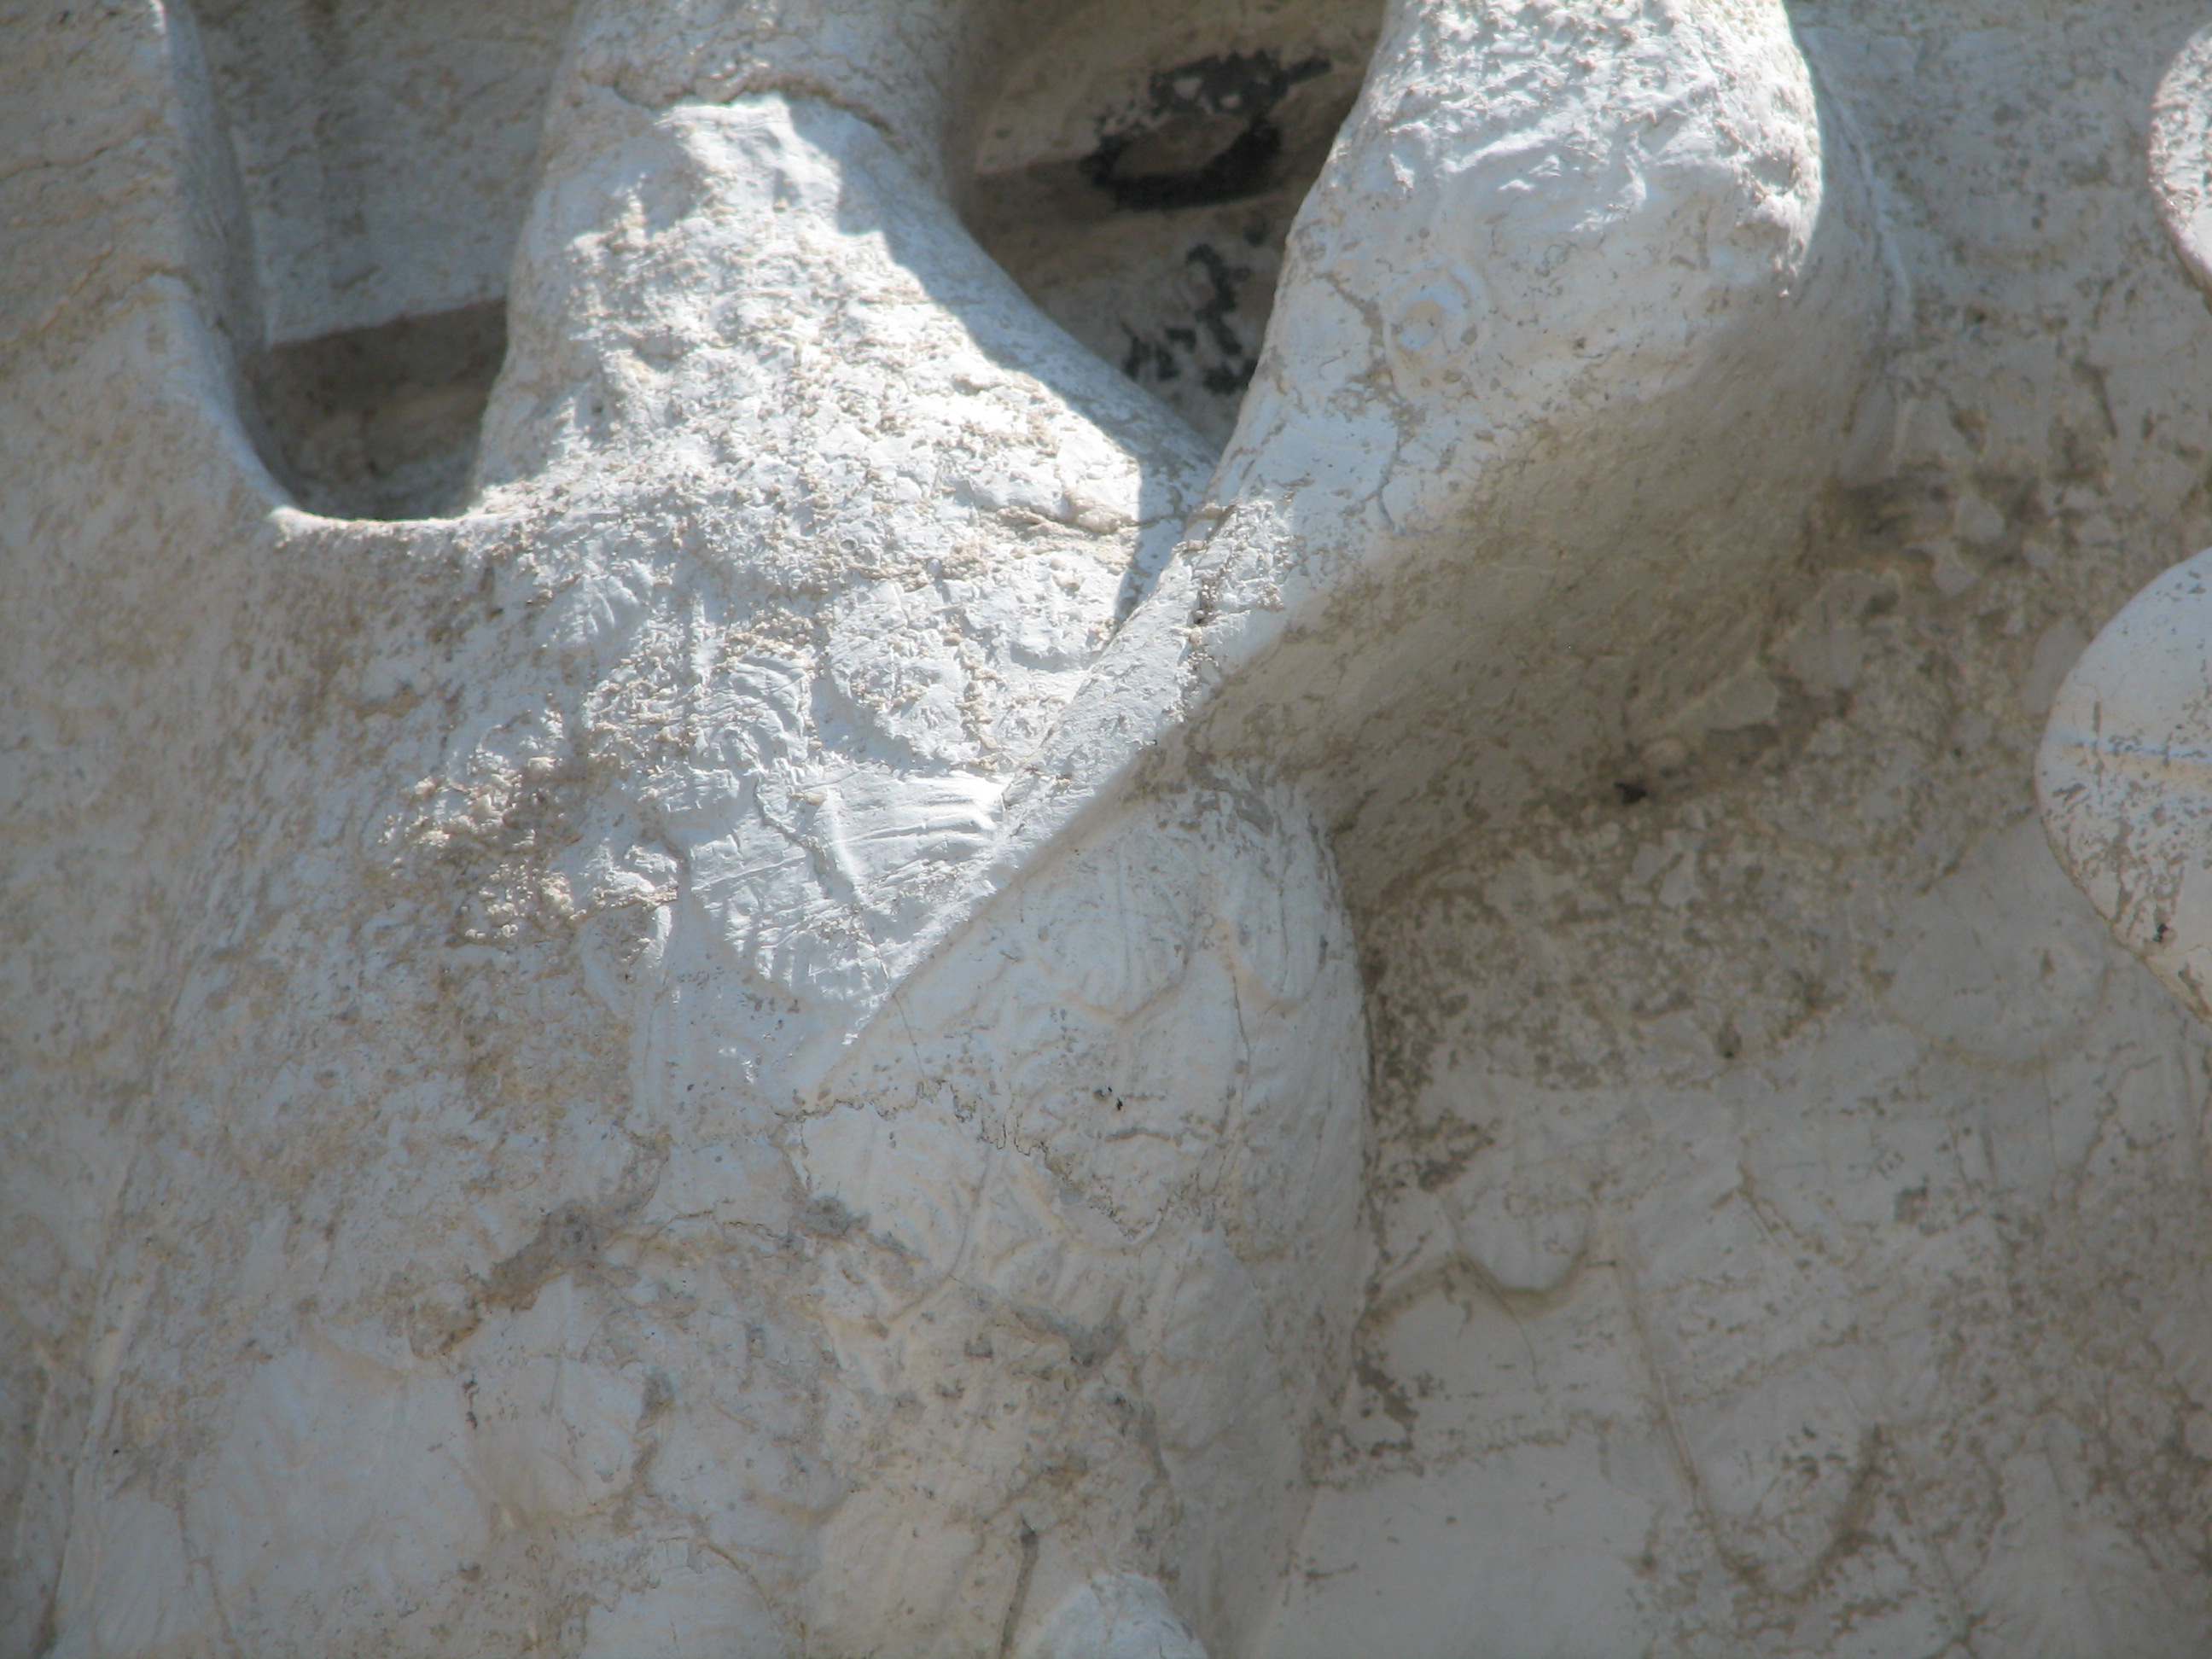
1102,829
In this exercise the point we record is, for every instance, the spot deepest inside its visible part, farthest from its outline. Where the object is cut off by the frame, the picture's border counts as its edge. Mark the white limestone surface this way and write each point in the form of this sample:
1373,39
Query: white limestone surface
2123,775
868,1009
1793,1199
2122,772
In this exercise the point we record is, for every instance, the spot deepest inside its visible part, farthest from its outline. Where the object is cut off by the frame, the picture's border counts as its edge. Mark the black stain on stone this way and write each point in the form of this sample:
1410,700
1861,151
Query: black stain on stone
1230,377
1208,137
1161,360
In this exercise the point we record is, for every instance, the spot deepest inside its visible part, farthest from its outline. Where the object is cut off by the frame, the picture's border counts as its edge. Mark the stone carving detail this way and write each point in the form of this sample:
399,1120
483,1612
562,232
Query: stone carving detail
891,828
2122,770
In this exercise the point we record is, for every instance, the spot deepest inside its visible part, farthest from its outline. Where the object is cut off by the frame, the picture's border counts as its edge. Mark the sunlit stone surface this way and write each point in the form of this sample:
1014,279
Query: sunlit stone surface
946,828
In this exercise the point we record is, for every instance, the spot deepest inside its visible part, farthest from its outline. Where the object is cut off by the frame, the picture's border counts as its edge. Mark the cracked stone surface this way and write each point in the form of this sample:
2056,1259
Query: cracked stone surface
1104,830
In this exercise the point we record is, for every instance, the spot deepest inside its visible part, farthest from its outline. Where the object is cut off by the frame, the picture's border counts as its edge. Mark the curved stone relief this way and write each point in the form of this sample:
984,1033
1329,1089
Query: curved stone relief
834,1016
2121,771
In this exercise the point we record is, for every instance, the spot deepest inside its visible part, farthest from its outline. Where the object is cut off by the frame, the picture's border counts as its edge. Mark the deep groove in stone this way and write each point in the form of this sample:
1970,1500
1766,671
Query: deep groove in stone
1147,210
382,423
384,155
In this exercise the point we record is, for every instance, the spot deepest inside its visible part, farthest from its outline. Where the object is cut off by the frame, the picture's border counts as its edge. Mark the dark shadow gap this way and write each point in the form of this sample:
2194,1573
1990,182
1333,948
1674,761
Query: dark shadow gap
385,154
382,423
1152,224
